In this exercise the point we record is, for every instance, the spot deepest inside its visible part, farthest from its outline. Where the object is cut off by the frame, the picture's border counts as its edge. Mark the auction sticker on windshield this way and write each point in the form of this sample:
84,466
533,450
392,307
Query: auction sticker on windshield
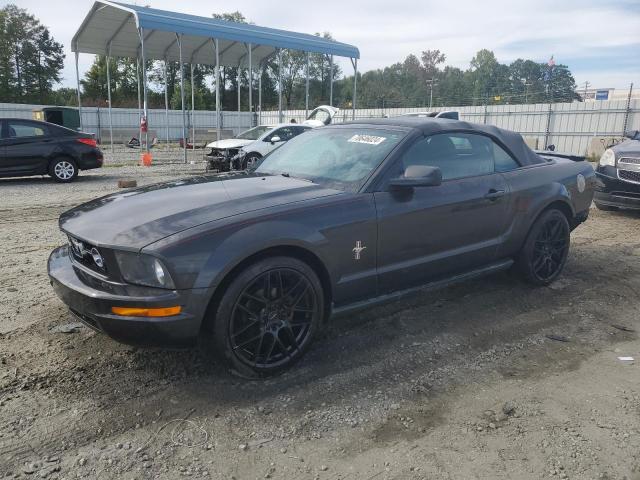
368,139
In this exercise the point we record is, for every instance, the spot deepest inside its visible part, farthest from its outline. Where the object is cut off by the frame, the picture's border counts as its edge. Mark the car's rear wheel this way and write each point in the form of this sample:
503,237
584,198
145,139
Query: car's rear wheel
546,249
268,316
63,170
605,208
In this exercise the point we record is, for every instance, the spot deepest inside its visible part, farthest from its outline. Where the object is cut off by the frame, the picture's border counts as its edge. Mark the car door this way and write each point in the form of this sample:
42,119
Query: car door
429,233
27,147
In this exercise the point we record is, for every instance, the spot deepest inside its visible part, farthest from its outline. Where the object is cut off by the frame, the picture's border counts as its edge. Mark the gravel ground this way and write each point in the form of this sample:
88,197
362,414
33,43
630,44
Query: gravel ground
456,384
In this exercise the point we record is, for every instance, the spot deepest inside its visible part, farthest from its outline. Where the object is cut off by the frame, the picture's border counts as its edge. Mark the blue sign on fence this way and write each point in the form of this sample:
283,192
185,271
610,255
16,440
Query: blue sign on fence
602,95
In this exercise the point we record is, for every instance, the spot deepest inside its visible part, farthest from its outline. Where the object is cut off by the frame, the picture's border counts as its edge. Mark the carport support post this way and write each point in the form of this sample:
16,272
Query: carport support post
250,87
139,101
306,90
109,96
193,113
260,95
144,89
238,80
166,100
184,127
280,86
355,87
331,80
217,73
78,89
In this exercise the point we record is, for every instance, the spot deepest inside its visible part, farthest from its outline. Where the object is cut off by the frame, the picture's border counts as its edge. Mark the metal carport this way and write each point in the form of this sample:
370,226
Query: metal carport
122,30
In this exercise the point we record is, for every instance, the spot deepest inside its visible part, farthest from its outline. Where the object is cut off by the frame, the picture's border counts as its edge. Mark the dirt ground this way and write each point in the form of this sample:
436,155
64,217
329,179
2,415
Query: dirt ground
462,383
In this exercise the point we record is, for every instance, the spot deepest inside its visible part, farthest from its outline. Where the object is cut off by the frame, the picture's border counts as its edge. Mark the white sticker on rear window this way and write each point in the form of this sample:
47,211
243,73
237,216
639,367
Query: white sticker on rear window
368,139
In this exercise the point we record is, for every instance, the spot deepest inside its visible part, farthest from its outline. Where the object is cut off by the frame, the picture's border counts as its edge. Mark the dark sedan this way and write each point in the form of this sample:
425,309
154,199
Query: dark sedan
619,175
30,147
339,218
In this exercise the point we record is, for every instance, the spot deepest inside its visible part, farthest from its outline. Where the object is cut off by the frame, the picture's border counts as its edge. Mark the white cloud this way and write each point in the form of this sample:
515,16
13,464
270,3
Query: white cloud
386,31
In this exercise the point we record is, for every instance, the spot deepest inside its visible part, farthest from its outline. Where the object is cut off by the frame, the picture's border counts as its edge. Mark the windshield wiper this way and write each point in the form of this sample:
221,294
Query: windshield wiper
288,175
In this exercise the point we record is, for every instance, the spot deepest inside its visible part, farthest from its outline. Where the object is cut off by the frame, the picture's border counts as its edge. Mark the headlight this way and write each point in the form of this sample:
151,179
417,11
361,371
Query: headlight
608,158
141,269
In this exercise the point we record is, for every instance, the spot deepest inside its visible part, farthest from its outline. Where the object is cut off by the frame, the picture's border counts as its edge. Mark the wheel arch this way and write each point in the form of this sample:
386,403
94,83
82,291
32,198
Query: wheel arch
295,251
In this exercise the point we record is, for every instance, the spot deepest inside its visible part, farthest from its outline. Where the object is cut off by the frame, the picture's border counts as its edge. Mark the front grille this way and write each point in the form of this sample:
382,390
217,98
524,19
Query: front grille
84,254
630,160
629,176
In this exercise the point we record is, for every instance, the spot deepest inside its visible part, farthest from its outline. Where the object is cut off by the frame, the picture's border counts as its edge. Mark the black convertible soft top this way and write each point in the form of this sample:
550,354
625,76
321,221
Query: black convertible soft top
430,126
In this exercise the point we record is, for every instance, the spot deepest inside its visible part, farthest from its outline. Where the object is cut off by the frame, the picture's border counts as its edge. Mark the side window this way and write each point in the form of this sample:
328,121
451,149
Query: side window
503,161
459,155
20,129
285,133
299,130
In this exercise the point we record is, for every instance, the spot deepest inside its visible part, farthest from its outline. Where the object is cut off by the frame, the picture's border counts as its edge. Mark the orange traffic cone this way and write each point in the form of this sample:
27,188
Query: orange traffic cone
146,159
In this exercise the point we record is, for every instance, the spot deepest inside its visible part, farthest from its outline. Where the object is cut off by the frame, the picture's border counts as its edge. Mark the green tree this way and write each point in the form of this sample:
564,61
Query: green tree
31,61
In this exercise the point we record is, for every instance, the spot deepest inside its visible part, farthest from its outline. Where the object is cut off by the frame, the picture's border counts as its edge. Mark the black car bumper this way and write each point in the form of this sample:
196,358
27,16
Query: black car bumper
90,299
90,160
613,192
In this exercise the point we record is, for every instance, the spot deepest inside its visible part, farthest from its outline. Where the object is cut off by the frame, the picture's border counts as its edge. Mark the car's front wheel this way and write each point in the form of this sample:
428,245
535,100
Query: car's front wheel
251,160
268,316
546,249
63,170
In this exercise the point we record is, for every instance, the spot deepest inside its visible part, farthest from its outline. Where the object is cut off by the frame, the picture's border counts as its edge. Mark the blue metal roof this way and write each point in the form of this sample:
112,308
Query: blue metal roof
115,23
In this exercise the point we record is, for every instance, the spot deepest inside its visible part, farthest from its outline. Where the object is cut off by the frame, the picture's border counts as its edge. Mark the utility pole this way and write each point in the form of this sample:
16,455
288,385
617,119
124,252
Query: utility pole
431,82
587,84
526,90
627,111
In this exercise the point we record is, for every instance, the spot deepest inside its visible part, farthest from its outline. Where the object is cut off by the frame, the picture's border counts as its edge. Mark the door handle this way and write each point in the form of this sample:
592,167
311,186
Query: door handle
494,194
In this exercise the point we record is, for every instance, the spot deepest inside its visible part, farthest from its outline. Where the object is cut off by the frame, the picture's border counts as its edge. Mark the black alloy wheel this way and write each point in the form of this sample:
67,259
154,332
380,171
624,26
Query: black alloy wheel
268,316
546,249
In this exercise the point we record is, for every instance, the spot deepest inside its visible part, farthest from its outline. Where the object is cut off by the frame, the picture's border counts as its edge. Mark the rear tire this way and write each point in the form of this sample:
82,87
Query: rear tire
546,249
267,317
63,170
605,208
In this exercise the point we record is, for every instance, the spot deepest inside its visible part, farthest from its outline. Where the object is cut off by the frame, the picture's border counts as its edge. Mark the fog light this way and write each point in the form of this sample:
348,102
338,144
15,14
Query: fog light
146,312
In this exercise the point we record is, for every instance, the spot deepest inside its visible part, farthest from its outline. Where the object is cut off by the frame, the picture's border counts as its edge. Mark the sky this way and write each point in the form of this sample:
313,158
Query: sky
598,39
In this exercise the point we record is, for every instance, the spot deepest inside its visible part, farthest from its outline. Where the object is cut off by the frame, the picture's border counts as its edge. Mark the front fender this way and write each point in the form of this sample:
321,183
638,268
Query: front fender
252,239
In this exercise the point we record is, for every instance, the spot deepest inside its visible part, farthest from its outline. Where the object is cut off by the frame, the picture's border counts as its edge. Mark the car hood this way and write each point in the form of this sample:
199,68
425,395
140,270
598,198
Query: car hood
136,218
229,143
629,148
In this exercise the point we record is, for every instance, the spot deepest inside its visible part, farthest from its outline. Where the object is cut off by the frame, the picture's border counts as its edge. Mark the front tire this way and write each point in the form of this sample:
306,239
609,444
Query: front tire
267,317
546,249
251,160
63,170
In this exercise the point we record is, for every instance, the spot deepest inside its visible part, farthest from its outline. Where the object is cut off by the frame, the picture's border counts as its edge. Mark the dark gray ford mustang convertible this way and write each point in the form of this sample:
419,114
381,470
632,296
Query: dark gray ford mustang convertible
339,218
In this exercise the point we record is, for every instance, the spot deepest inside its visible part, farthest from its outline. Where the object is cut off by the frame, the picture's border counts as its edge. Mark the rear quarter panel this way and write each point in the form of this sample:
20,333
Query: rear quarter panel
532,189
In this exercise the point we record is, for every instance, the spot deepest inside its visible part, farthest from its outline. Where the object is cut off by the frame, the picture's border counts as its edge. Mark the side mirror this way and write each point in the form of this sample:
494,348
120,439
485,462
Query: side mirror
418,176
275,139
632,134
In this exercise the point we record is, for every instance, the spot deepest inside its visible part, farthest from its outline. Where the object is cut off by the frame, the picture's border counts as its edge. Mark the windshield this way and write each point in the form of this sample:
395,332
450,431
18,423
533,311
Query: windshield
254,133
341,158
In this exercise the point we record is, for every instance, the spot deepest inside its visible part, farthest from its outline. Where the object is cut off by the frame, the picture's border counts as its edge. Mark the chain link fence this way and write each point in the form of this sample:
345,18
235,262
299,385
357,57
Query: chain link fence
582,128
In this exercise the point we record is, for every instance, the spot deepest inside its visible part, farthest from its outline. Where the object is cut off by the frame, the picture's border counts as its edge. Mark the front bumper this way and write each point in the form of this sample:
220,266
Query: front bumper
90,299
614,192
